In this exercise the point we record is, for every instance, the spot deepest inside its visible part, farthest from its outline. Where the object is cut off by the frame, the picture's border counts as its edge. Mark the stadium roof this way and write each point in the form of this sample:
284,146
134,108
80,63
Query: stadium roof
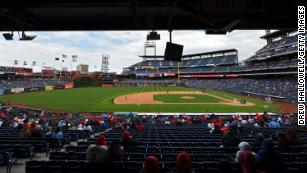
54,15
191,55
279,33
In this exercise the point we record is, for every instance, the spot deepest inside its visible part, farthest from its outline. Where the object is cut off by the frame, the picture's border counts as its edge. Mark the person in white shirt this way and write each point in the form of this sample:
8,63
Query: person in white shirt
243,146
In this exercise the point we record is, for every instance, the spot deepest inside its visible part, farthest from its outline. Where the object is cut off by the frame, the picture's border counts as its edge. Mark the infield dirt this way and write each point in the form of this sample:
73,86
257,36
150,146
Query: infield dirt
148,98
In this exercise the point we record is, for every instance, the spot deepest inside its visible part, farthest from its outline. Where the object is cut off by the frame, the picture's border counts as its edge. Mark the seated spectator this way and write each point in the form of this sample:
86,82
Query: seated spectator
126,136
97,153
116,151
102,140
57,133
293,139
269,158
225,129
258,140
127,140
282,141
48,133
25,131
139,127
183,163
151,165
88,127
243,146
216,130
37,131
231,139
274,124
249,162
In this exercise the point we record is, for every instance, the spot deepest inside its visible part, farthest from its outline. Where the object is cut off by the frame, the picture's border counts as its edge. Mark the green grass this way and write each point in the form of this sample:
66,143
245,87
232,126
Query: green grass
101,100
177,98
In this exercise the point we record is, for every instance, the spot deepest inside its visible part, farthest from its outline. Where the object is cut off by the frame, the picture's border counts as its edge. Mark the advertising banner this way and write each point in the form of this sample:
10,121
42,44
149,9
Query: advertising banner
59,87
48,87
169,74
141,74
69,85
17,90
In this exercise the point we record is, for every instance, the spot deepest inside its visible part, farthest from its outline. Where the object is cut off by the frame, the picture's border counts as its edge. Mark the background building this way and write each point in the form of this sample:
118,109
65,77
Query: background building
83,68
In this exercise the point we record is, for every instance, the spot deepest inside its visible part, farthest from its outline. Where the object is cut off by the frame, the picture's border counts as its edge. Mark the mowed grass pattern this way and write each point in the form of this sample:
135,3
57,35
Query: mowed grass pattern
99,99
191,98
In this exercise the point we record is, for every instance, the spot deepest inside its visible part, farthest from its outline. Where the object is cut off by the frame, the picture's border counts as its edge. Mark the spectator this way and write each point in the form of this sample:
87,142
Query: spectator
139,127
127,140
48,133
102,140
225,129
274,124
183,163
97,153
37,131
282,141
249,163
88,128
151,165
243,146
269,158
216,130
116,151
25,131
258,140
58,134
230,140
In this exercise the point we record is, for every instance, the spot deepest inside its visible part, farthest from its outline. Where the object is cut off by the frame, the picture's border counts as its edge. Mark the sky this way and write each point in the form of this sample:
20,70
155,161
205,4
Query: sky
123,47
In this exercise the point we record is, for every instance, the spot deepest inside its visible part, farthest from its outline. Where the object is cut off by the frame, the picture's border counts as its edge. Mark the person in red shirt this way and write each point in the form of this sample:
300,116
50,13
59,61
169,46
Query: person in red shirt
102,140
183,163
139,127
225,129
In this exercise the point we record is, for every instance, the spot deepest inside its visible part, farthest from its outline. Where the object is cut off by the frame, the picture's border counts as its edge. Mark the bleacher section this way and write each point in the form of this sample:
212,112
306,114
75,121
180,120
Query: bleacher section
164,142
277,48
276,56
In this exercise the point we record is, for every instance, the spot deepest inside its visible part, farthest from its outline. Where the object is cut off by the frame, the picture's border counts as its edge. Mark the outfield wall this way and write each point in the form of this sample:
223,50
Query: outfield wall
33,89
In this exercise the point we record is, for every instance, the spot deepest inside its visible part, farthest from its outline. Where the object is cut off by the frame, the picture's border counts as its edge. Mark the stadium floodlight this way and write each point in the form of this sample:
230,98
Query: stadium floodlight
153,36
25,37
8,36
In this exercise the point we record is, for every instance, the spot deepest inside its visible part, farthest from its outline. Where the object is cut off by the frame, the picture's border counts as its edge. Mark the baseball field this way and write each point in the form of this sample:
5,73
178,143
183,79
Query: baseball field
140,99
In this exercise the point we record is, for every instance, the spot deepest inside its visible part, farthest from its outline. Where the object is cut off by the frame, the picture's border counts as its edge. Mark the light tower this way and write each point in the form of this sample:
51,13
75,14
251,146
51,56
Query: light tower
105,63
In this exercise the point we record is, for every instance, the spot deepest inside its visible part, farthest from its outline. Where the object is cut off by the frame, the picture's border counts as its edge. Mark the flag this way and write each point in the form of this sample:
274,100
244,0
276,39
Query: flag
25,63
74,58
34,63
57,58
16,62
64,56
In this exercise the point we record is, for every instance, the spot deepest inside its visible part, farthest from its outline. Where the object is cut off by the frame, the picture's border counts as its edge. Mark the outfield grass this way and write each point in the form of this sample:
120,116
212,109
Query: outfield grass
101,100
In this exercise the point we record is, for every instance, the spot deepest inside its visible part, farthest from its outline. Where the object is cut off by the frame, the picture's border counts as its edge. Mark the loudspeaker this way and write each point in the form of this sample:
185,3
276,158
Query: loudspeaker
173,52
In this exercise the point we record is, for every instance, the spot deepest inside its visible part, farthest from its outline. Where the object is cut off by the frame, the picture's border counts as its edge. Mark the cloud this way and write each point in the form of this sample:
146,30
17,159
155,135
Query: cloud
122,46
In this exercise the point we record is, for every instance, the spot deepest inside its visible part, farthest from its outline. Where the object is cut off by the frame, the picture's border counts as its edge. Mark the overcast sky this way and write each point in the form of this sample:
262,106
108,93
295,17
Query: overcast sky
122,46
